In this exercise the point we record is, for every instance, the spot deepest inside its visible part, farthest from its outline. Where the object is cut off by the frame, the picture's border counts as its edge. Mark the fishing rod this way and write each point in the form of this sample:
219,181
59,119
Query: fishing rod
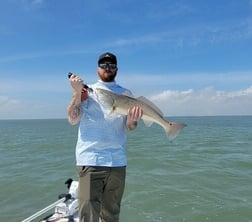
84,85
51,206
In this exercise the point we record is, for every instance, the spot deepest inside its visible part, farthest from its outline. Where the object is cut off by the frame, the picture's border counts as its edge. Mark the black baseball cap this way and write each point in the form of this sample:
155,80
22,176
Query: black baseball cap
107,56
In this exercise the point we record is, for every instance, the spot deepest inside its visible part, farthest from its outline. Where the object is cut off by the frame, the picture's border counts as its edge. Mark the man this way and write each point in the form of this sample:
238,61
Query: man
100,150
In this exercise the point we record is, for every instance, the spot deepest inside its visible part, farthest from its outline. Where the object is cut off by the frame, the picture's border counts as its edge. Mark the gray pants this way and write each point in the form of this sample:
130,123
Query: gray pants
100,193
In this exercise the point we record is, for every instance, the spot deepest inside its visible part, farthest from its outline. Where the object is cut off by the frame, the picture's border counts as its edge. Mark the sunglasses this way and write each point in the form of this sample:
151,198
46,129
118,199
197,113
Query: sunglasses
107,65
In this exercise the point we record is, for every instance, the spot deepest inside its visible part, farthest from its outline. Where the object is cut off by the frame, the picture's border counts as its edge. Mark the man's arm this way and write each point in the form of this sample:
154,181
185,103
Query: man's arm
74,110
134,115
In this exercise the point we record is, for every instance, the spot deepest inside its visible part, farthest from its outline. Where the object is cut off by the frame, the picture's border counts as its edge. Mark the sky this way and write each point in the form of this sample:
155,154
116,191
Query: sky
191,58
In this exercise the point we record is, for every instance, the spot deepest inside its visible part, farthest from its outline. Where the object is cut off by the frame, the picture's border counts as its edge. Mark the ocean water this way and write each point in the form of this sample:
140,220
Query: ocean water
204,175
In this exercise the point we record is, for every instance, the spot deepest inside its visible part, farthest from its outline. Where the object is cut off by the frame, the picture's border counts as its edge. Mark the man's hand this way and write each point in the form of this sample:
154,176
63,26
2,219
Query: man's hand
135,113
76,83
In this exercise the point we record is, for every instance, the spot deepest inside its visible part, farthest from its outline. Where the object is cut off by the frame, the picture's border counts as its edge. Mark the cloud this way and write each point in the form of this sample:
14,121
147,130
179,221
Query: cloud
40,54
6,101
194,35
184,36
147,84
35,109
204,102
37,1
33,2
8,106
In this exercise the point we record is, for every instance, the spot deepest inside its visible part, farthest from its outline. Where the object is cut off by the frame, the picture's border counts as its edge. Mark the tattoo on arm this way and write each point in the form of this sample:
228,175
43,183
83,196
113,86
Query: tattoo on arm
76,111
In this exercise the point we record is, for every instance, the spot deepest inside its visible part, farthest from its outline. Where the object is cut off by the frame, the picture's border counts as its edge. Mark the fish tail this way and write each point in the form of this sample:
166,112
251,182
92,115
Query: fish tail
172,129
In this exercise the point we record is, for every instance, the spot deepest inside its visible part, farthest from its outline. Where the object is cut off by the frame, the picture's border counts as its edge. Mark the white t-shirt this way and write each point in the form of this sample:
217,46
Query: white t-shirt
101,135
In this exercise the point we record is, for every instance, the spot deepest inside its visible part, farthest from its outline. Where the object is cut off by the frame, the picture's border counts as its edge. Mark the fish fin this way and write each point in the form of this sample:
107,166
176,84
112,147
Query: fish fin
148,102
113,108
147,123
172,129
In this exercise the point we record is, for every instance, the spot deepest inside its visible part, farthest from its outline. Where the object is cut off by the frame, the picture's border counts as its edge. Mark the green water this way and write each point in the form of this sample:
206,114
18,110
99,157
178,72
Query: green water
204,175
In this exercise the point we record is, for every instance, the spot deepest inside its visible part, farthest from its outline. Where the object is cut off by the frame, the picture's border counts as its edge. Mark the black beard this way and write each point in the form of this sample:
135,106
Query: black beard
110,77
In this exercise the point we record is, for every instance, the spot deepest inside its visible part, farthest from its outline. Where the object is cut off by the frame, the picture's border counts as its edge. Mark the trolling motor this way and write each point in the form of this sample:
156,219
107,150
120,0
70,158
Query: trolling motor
70,206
